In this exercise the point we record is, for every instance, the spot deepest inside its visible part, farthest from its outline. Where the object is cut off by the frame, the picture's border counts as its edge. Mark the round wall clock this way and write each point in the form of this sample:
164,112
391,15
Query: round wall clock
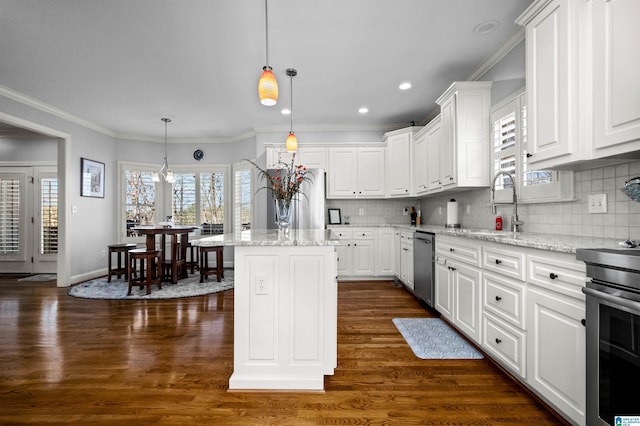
198,154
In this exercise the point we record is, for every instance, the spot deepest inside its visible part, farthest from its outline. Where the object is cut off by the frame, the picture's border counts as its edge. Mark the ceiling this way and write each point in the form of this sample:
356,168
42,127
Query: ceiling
122,64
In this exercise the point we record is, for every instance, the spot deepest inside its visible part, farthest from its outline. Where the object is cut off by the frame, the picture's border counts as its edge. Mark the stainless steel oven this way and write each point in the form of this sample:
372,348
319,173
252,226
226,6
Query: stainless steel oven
613,334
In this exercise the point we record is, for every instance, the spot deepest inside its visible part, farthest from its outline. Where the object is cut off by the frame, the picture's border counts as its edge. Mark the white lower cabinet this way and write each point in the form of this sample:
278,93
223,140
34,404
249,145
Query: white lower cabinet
458,285
385,252
556,351
365,252
530,318
406,258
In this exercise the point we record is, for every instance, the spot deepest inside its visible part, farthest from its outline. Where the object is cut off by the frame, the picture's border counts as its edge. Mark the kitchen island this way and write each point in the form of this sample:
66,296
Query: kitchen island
285,308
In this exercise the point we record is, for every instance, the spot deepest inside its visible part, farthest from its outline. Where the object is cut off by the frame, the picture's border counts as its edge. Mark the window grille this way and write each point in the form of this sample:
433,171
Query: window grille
49,216
9,216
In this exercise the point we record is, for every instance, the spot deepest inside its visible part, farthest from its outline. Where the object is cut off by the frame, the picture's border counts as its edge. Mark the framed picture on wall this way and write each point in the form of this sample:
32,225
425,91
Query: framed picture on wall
91,178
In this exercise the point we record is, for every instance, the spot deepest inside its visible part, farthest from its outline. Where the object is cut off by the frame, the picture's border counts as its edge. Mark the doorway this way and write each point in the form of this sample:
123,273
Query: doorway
28,219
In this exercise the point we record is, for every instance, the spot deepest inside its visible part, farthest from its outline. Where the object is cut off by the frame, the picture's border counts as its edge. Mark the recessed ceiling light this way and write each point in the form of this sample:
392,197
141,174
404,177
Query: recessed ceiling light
486,27
405,86
285,111
363,110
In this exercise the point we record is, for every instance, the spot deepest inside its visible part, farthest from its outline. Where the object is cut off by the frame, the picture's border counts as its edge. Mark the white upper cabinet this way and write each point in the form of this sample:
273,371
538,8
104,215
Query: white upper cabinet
434,142
356,173
464,148
582,83
420,163
552,79
399,164
312,157
616,60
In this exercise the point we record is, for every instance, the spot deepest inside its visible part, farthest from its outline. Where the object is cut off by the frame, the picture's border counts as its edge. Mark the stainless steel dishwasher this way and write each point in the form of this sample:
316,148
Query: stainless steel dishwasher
423,255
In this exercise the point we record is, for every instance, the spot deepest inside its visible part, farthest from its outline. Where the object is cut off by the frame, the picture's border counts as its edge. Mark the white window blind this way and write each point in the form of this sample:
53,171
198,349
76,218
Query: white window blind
184,199
9,216
212,198
242,199
49,216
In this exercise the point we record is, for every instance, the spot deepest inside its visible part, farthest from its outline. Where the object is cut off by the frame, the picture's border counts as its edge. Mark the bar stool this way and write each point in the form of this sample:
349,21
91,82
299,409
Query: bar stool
150,268
122,253
192,261
205,269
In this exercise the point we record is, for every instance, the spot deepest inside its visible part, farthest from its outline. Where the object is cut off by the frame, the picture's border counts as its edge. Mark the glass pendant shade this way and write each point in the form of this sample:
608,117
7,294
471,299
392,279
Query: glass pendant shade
292,142
268,87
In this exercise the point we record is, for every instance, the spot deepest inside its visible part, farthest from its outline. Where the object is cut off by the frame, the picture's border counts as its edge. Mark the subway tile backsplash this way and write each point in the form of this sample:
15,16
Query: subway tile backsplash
622,219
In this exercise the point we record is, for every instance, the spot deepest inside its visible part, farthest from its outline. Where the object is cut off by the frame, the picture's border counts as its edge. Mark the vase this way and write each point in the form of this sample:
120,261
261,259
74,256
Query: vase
283,213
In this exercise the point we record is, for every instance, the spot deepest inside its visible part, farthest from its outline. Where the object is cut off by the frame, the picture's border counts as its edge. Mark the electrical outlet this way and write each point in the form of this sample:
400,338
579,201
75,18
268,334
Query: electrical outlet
597,203
262,284
405,212
468,209
103,253
74,209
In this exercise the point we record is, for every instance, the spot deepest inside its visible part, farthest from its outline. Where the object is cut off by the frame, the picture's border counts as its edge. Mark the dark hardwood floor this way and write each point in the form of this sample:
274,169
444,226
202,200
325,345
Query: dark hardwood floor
69,360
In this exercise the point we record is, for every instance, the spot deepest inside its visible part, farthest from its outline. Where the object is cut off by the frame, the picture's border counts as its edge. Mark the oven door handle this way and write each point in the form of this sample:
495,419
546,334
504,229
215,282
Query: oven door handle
629,304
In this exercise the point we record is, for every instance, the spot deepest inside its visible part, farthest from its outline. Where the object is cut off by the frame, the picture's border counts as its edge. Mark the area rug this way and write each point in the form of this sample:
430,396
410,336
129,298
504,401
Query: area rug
432,338
39,278
118,288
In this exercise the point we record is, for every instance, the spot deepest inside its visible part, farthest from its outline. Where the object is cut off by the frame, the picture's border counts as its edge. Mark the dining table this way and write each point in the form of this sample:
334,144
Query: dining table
178,246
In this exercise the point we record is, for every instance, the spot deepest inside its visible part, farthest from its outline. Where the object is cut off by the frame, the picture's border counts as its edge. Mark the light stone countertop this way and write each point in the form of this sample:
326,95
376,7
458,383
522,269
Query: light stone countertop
551,242
271,237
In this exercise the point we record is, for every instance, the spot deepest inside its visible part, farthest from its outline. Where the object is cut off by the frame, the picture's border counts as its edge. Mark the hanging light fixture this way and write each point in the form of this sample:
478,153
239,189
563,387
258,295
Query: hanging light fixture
165,171
267,85
292,141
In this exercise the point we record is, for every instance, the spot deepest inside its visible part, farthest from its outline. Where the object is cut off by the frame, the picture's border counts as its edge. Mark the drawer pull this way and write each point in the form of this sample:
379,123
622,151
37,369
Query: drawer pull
498,298
451,268
583,321
553,276
498,341
451,249
498,261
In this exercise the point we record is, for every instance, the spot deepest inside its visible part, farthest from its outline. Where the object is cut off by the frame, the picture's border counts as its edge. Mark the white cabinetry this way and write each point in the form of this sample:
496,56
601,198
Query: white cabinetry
616,37
312,157
397,240
365,252
503,299
458,286
434,143
406,258
399,164
582,86
556,336
420,161
385,252
356,173
464,149
344,252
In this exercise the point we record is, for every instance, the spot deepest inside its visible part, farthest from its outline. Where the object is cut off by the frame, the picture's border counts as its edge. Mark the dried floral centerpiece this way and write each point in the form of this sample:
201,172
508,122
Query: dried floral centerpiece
284,183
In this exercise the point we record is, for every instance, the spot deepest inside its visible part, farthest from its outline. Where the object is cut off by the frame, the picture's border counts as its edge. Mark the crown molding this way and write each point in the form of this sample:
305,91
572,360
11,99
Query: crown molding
498,55
50,109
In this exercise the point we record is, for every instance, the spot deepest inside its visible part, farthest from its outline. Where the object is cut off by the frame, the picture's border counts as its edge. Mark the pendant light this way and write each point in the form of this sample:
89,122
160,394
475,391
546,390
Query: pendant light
292,141
165,171
267,85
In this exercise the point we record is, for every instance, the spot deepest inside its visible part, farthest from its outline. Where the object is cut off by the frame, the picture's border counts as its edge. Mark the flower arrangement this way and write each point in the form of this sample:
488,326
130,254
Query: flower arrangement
285,181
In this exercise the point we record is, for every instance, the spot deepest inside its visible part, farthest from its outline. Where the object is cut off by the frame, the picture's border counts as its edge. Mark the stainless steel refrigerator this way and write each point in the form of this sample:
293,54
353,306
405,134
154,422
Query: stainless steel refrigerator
307,211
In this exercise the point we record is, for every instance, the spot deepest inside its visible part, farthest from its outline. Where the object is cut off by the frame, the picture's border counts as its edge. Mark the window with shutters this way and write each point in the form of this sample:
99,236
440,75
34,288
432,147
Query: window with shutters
509,153
10,216
48,216
198,197
242,197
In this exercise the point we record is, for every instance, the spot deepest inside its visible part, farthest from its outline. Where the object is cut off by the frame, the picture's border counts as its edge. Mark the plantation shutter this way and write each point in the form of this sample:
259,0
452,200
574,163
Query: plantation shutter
49,216
10,226
184,197
242,200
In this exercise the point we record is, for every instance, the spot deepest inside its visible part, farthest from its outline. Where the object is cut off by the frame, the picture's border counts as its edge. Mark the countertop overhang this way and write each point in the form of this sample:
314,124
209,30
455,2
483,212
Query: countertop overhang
271,237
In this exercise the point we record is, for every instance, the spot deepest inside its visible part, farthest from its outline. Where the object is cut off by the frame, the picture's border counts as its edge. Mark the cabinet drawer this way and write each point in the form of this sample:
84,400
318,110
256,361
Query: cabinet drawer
562,274
458,249
505,343
343,234
506,262
504,298
363,234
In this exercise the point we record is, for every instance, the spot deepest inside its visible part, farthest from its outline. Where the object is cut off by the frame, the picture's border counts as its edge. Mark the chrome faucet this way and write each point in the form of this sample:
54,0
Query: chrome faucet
515,222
